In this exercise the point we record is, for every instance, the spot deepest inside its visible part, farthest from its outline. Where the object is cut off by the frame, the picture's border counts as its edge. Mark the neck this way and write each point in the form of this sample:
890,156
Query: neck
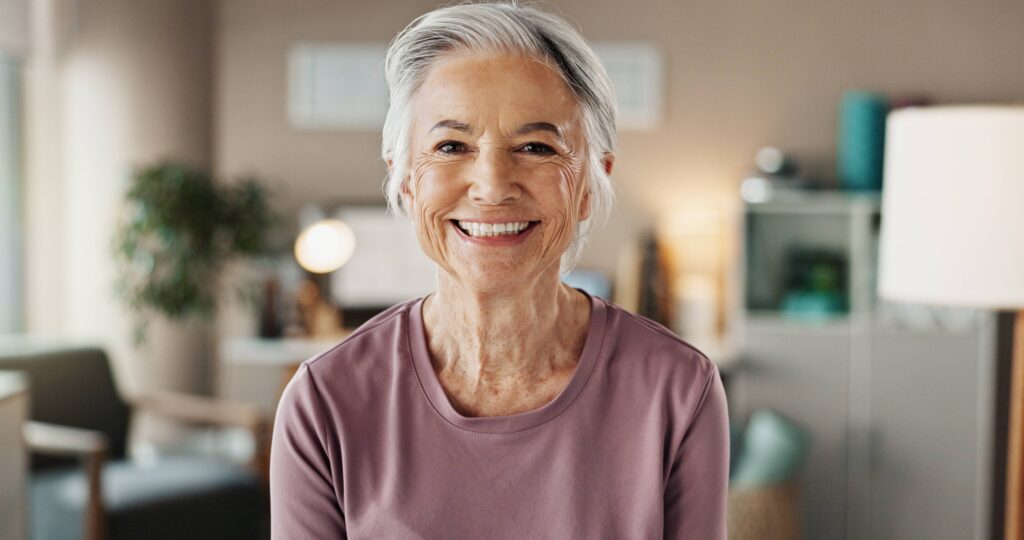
494,339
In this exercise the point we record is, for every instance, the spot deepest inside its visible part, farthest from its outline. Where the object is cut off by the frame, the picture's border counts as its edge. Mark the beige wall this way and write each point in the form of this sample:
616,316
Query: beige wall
739,75
129,81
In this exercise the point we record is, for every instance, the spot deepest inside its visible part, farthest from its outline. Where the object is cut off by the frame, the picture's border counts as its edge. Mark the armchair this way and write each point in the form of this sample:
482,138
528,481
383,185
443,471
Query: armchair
77,413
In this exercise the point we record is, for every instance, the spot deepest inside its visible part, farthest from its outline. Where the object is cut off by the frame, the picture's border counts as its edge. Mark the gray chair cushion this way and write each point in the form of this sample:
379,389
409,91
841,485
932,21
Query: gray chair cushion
174,498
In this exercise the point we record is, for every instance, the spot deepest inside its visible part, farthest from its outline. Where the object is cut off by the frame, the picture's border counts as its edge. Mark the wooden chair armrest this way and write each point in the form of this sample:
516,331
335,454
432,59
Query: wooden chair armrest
56,439
200,409
204,410
91,447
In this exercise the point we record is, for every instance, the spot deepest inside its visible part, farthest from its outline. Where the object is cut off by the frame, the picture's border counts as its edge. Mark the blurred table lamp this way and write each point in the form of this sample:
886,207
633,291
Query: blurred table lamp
953,231
322,247
325,246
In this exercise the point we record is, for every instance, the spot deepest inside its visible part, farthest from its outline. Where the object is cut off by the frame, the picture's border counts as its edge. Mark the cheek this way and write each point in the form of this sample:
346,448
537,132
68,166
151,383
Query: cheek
435,190
435,181
434,197
564,192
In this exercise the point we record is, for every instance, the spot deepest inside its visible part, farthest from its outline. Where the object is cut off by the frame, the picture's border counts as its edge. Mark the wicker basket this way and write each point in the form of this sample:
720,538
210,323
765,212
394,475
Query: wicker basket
765,513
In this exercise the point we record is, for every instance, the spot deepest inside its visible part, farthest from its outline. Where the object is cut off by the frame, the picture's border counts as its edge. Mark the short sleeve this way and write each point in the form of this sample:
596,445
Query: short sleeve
304,503
697,492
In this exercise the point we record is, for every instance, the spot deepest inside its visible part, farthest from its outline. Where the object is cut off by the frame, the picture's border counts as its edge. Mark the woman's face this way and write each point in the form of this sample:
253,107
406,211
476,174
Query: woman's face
495,140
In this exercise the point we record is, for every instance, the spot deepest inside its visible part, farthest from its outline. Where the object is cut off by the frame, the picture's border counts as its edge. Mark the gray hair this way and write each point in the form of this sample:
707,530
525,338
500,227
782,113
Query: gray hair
497,28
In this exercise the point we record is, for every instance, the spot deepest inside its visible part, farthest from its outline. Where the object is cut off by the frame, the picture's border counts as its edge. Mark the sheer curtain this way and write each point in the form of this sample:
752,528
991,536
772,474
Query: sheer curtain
11,231
14,46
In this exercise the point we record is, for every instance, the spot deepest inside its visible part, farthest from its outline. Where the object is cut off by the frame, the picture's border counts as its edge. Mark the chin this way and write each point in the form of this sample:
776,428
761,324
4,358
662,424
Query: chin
496,278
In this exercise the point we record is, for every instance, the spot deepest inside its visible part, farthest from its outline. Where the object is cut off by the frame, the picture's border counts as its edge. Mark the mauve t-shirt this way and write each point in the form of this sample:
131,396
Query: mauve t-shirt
367,445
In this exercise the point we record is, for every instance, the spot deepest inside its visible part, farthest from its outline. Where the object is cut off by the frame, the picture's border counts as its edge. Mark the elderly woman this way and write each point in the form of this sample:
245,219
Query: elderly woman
505,404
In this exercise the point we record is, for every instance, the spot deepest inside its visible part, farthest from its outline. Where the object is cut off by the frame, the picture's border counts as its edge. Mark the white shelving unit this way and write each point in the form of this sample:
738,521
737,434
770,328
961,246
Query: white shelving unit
898,399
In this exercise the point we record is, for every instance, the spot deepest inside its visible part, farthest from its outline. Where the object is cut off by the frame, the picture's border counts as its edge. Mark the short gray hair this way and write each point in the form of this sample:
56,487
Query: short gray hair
501,27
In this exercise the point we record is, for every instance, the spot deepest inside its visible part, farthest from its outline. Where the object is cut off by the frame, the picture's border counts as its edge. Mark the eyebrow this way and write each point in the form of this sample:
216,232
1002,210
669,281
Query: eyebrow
523,129
540,126
453,124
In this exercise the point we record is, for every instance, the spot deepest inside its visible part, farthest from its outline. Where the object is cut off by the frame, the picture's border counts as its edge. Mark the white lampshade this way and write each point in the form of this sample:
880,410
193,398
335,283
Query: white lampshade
325,246
953,207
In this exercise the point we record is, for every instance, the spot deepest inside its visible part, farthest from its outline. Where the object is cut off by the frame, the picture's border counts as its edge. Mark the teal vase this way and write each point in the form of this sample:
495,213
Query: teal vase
861,140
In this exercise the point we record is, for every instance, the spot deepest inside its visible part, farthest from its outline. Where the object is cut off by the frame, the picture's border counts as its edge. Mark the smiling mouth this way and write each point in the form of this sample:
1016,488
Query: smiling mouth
484,230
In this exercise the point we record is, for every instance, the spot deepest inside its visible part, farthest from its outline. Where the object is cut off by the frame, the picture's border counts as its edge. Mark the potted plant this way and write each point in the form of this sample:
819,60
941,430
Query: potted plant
179,230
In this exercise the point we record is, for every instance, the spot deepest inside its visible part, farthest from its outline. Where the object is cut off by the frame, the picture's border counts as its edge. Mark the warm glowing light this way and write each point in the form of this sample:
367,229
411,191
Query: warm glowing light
325,246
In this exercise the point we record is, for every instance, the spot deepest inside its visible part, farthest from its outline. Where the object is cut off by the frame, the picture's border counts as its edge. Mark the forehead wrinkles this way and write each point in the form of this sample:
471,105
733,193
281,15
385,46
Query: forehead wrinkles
510,87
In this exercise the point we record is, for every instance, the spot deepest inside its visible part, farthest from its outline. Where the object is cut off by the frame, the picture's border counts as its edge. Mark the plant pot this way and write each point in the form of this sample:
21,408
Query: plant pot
175,357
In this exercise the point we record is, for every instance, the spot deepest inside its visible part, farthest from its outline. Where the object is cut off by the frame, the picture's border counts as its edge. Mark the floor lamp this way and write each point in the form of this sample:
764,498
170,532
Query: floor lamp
952,231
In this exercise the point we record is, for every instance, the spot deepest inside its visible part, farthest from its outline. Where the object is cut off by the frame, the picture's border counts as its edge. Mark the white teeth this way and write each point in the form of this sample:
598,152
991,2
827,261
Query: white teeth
493,229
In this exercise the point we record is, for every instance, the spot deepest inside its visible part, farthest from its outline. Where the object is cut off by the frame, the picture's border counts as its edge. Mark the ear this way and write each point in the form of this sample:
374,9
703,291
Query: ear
585,206
608,161
406,193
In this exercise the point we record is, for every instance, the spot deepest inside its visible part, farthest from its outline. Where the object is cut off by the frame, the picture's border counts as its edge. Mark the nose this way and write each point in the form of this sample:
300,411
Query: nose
492,179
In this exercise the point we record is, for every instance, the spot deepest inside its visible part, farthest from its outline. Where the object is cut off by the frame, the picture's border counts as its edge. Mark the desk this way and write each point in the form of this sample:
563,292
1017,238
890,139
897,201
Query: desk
256,370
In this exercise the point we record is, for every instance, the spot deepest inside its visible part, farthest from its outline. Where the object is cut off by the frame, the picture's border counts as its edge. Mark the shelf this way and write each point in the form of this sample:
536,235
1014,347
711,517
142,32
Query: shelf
875,386
772,321
818,202
822,241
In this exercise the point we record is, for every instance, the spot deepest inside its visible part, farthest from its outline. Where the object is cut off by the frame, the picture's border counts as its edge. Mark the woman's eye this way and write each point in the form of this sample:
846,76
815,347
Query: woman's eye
451,147
537,148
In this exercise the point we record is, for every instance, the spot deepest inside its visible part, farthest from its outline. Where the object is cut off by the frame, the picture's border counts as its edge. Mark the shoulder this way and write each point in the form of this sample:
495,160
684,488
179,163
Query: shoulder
670,370
364,357
375,335
635,338
656,360
351,369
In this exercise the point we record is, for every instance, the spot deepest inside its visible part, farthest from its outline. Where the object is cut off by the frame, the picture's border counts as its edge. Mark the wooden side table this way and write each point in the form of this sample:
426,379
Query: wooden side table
13,455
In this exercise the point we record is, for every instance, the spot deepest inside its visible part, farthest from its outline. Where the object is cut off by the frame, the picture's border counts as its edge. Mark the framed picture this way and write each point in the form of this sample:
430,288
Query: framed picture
637,72
337,86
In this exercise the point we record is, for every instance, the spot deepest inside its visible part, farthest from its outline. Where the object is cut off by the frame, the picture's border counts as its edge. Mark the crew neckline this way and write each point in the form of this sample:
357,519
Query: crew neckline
505,424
